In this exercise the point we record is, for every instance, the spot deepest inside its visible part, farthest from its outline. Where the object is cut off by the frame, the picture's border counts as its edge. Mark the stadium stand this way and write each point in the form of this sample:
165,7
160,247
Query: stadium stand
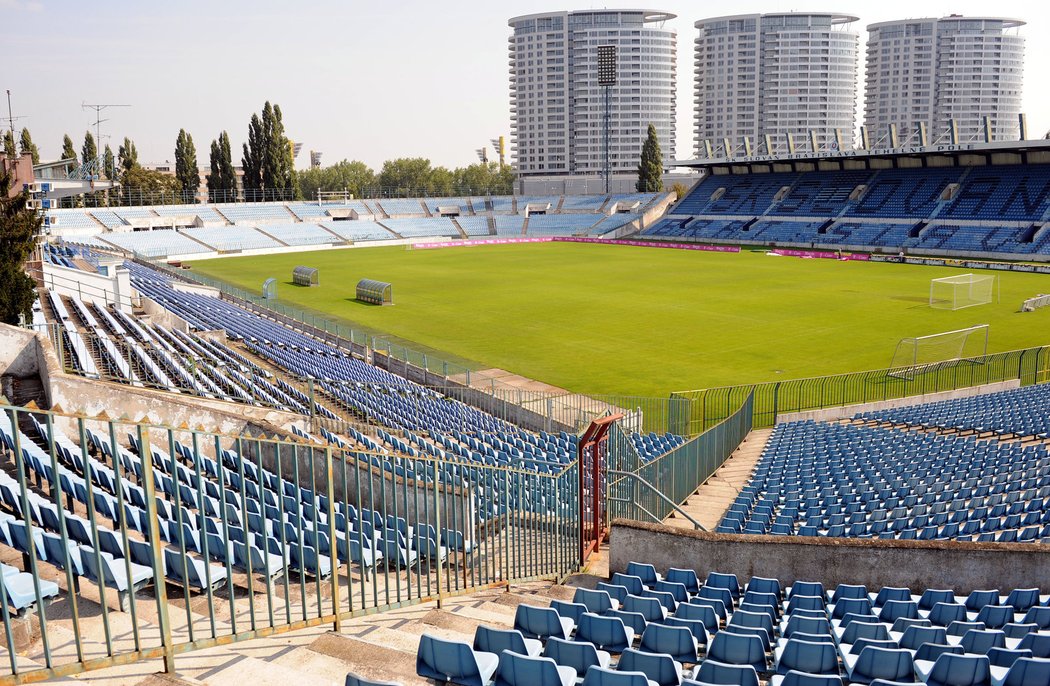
474,226
299,234
509,225
229,238
559,224
998,209
433,204
156,243
257,213
416,227
398,207
725,630
359,230
871,480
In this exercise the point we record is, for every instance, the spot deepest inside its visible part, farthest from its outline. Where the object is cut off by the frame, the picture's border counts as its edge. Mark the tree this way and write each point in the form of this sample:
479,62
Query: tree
251,159
151,186
68,153
222,181
19,227
405,176
484,178
107,163
651,166
28,146
278,172
89,152
127,156
186,166
355,177
9,144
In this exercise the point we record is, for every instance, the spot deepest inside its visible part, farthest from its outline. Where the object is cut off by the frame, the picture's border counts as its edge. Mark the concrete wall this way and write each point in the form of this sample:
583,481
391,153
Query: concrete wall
918,565
112,290
830,414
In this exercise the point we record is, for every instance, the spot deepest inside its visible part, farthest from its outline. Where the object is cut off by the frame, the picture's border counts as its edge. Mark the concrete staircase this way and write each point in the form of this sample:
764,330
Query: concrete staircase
375,646
713,498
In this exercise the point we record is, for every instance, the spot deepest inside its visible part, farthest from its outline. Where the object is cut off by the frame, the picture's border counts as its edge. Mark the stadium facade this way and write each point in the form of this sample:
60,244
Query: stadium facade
775,74
933,71
557,105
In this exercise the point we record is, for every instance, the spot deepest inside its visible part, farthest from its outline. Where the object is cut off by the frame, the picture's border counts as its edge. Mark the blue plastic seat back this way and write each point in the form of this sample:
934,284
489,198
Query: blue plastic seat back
880,663
538,622
1003,657
726,581
448,660
697,628
943,614
807,588
660,668
738,649
806,602
1039,644
578,655
606,633
929,652
354,680
720,609
795,678
849,591
1023,598
572,611
521,670
888,593
646,572
978,599
960,670
602,676
897,609
491,640
980,641
701,613
687,577
914,636
714,672
932,596
761,584
616,592
631,620
812,658
721,594
596,601
678,642
1026,671
996,616
632,583
845,606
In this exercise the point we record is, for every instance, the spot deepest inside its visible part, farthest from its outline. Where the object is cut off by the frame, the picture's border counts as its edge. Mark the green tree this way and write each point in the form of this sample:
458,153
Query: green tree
278,173
127,156
68,153
151,186
186,166
651,166
107,162
89,152
405,176
355,177
19,227
482,179
28,147
251,158
9,144
222,181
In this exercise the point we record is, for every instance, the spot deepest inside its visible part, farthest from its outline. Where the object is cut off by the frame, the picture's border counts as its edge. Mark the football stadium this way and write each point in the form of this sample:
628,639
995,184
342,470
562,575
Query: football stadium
785,422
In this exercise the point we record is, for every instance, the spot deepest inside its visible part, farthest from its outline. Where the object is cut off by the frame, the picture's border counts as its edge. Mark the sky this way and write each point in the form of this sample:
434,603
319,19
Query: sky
355,80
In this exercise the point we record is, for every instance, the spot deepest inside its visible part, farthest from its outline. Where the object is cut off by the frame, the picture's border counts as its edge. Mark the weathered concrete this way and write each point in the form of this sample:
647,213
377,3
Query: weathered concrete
831,414
961,566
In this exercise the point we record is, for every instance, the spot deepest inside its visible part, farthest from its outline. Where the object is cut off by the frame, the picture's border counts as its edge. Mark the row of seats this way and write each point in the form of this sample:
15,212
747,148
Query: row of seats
675,629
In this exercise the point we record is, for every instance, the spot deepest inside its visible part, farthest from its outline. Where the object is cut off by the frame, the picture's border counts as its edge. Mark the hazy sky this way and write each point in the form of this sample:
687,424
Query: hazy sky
368,81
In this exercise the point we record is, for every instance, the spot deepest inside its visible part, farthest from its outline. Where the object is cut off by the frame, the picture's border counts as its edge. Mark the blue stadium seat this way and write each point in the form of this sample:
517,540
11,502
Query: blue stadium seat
521,670
454,662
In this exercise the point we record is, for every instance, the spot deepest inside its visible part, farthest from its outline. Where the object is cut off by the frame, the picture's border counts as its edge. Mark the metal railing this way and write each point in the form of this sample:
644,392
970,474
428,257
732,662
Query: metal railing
652,490
203,538
710,406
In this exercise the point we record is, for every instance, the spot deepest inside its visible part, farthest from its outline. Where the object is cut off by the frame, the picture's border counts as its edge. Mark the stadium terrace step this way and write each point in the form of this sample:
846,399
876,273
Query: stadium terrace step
713,498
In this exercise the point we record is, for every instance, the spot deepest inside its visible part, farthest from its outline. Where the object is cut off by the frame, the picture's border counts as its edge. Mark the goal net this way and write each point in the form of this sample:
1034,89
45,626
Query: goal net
965,290
922,354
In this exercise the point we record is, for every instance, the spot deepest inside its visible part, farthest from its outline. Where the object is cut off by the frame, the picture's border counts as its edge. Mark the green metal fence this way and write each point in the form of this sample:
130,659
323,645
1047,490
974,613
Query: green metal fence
226,538
651,491
710,406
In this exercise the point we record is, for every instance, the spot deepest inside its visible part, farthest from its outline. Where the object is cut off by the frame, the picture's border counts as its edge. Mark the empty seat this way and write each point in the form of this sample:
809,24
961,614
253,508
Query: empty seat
597,602
575,654
354,680
878,663
726,581
813,658
1028,671
606,633
712,671
795,678
645,572
980,641
660,669
602,676
738,649
958,670
521,670
678,642
541,622
686,577
491,640
454,662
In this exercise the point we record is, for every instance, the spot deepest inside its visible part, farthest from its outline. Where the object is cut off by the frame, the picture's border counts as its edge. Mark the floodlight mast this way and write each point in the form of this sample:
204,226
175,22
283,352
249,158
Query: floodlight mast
606,79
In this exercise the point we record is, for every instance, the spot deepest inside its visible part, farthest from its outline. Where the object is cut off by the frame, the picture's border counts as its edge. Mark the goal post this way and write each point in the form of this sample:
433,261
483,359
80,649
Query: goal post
921,354
964,290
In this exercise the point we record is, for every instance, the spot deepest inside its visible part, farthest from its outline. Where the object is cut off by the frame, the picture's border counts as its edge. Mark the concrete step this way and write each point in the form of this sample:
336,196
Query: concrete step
710,502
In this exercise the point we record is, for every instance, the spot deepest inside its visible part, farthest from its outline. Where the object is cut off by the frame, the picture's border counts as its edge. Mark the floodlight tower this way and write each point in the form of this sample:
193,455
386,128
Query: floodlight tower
606,80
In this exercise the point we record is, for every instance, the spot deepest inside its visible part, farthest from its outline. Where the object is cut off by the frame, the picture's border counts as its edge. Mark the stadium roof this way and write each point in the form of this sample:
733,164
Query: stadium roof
1037,150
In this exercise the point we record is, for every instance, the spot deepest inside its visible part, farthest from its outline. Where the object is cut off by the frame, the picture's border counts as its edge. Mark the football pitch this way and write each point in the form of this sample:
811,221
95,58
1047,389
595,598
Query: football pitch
640,321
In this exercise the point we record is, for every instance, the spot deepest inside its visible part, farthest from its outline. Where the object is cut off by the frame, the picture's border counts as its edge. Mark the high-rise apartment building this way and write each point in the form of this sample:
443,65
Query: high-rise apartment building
932,71
558,106
776,74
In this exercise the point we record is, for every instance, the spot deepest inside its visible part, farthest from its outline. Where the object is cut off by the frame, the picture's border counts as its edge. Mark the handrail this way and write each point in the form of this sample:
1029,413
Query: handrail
661,496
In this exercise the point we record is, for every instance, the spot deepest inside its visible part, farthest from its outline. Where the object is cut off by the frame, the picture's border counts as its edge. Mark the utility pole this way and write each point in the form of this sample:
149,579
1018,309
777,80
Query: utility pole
98,121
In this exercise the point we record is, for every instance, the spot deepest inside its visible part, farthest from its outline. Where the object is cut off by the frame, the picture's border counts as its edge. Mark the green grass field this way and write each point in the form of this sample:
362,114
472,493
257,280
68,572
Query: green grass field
642,321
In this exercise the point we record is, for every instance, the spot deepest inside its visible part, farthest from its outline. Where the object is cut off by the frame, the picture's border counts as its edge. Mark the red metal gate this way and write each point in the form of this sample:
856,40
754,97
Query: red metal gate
593,453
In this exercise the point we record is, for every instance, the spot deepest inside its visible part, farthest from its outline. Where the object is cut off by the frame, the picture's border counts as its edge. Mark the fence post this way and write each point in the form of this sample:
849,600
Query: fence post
148,484
333,545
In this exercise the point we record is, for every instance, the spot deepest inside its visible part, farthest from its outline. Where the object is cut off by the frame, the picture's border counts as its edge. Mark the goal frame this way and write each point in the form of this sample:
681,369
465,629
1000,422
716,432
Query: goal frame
967,282
907,366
